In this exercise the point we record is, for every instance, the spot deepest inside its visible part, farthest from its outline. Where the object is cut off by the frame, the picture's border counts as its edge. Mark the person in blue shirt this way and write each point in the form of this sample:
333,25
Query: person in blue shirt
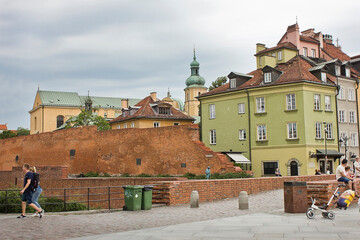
27,192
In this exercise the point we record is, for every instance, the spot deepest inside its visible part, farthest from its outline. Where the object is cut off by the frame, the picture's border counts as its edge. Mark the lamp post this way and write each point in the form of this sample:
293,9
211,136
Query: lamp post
345,141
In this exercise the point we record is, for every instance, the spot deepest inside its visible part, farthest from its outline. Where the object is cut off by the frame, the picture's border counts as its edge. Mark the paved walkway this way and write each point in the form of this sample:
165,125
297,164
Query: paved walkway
253,226
216,220
70,226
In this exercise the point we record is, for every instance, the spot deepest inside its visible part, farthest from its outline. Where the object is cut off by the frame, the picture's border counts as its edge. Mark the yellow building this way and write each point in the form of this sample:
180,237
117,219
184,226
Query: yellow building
148,113
51,109
281,53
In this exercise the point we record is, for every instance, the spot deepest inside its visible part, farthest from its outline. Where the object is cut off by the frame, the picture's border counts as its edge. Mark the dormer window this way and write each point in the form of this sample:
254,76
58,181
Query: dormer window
267,77
347,72
323,76
164,110
233,83
337,70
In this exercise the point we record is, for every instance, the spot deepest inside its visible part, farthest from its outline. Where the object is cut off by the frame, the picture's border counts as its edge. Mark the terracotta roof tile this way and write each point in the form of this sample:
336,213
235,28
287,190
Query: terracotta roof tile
294,70
3,127
335,52
308,39
146,110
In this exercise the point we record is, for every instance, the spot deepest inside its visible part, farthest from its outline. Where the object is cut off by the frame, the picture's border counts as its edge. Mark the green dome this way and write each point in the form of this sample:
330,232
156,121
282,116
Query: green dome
194,63
195,80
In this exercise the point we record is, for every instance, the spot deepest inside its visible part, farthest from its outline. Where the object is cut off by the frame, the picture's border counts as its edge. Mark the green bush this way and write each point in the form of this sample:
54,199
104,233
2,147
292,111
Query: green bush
92,174
219,175
125,175
49,204
143,175
105,175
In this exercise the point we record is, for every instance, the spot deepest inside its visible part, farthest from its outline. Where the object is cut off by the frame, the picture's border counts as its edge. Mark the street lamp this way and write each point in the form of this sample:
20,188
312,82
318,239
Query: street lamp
326,135
345,141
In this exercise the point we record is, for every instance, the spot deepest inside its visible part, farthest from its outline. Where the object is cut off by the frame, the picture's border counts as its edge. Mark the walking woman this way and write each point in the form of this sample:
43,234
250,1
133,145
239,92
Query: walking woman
37,191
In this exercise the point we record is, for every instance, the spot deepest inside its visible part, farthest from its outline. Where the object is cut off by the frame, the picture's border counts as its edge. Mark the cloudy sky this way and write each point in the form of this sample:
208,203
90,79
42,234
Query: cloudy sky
130,48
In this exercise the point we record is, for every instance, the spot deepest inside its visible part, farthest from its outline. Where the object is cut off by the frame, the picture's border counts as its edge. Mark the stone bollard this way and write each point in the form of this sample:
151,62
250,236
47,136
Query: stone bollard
194,199
243,200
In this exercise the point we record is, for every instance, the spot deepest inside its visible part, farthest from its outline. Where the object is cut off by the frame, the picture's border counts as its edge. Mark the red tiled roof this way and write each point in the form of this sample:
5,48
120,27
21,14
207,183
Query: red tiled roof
308,39
281,45
3,127
335,52
146,111
294,70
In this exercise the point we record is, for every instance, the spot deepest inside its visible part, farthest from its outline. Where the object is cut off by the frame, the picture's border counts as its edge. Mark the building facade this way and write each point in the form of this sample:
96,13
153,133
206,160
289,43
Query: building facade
150,113
276,117
52,109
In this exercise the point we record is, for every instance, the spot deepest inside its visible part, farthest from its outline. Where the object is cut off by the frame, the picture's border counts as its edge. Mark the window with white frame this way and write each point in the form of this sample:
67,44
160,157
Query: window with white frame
352,117
260,104
118,126
342,116
261,132
342,136
323,76
316,102
305,51
242,134
290,101
337,70
292,130
353,140
318,130
347,72
156,124
341,93
267,77
213,137
212,111
125,125
132,125
313,53
279,54
233,83
327,103
351,94
329,129
241,108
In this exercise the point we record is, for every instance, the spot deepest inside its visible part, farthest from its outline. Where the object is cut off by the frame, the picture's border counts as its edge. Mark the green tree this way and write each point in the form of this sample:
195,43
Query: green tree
22,131
7,134
87,118
218,82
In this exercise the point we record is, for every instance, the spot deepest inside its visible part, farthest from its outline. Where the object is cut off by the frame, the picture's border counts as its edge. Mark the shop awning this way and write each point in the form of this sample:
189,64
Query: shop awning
238,157
329,152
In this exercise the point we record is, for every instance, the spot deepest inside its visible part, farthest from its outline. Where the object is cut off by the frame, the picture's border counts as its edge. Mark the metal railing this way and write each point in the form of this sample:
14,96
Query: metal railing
88,198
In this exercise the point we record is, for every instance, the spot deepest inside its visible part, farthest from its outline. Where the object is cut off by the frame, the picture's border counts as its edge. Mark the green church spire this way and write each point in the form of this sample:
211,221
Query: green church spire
195,79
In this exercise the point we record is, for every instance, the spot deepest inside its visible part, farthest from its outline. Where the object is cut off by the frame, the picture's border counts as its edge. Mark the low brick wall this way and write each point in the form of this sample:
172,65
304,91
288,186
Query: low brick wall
323,190
178,192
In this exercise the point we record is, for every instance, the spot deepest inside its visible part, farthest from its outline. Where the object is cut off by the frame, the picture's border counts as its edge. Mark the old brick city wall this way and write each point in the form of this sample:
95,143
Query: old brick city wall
168,150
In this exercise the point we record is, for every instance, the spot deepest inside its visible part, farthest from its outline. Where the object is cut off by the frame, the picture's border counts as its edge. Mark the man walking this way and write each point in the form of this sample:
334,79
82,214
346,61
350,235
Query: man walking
27,191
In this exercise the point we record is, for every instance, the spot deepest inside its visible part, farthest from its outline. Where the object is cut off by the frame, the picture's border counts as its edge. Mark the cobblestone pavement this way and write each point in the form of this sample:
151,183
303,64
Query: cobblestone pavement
274,225
70,226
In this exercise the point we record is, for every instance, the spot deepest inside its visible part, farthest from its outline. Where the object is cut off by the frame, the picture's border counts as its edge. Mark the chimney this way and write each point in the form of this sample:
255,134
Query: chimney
328,38
124,103
153,96
260,47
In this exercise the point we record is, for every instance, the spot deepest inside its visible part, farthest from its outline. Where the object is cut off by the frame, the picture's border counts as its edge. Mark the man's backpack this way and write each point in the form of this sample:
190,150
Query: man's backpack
36,180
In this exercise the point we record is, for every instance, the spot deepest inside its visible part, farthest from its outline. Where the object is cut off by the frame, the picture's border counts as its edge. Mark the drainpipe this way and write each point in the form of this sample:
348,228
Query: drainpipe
200,113
357,107
249,119
336,108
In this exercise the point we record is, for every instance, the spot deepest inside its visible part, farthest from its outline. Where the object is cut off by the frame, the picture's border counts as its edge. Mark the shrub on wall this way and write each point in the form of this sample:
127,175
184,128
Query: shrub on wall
219,175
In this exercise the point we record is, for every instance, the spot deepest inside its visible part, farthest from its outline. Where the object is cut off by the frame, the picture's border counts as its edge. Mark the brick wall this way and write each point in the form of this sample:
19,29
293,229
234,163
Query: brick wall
178,192
161,150
323,190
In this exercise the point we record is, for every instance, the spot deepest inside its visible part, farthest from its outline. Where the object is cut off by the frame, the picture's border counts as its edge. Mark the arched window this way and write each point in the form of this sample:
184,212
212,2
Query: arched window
35,123
59,121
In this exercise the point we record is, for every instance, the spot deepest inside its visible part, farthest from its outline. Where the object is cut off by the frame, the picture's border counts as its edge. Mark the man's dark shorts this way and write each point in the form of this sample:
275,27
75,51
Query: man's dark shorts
343,179
27,197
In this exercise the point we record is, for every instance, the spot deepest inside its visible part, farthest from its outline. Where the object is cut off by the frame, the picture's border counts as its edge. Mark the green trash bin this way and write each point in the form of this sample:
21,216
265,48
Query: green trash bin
133,196
146,203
